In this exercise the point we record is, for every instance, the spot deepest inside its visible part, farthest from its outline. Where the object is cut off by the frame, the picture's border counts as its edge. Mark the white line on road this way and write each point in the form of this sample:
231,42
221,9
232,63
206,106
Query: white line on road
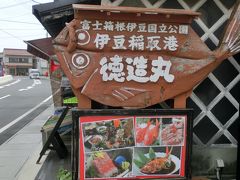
17,81
47,99
5,96
25,114
35,82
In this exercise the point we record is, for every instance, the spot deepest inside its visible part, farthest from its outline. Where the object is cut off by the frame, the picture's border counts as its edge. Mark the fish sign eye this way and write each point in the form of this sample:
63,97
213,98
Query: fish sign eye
80,60
83,37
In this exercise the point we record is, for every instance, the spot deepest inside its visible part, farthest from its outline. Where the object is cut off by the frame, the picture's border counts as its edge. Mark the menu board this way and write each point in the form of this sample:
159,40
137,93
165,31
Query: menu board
132,146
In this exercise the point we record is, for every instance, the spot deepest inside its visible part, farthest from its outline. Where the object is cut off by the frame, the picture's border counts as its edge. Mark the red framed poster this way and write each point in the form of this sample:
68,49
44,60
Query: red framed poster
131,144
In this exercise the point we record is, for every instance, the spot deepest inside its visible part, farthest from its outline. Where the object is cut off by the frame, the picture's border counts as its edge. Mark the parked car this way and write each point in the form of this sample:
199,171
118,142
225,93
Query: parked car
34,74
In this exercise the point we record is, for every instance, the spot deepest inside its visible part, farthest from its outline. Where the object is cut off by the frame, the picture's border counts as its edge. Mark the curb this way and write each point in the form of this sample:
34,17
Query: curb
27,168
31,168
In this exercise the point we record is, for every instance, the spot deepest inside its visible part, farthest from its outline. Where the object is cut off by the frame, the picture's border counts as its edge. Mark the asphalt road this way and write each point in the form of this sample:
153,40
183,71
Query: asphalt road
21,100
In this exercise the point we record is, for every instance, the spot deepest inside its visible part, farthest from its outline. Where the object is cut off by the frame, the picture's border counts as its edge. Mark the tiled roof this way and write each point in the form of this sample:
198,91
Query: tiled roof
16,52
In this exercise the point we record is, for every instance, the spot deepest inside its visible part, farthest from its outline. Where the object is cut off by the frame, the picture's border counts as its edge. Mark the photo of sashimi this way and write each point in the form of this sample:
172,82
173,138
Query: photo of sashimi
109,164
147,131
172,132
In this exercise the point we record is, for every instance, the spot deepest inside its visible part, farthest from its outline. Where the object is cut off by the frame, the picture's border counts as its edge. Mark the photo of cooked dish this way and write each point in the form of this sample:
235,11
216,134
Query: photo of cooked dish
109,134
107,164
172,131
147,131
156,161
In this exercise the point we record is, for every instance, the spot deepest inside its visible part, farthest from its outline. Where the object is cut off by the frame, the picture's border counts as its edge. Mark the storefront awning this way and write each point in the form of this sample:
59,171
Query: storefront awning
42,48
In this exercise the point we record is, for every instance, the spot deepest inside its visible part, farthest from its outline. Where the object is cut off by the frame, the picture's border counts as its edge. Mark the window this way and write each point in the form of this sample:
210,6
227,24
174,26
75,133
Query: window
13,60
18,60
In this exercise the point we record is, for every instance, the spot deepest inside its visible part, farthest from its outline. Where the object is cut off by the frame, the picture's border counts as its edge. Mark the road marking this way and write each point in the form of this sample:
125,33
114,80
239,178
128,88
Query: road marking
35,82
5,96
24,115
17,81
47,99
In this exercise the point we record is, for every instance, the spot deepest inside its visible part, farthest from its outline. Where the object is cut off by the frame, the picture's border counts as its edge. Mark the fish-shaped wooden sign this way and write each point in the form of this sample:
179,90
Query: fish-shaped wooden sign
137,57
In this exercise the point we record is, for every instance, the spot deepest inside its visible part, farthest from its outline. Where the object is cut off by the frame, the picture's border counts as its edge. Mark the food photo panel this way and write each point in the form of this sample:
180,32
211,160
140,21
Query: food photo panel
172,131
147,131
108,134
157,161
132,144
109,164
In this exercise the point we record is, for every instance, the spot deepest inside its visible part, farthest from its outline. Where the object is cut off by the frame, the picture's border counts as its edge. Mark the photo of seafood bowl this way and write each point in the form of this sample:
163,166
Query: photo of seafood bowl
156,162
109,134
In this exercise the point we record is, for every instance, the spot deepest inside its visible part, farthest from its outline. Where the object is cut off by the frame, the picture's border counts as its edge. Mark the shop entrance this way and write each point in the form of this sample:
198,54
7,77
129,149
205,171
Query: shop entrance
21,71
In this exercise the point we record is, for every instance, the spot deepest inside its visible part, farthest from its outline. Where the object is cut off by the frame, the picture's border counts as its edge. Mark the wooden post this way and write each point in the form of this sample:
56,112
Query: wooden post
180,100
83,101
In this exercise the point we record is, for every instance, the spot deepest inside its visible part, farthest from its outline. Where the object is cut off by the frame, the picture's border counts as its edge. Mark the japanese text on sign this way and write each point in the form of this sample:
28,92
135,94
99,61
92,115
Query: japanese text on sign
134,37
130,27
165,37
137,42
136,69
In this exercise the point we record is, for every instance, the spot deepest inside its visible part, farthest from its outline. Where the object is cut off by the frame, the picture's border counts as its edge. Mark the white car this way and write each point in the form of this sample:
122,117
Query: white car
34,74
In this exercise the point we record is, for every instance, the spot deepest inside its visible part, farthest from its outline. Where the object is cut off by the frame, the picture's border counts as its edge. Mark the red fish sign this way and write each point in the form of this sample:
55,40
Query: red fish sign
137,57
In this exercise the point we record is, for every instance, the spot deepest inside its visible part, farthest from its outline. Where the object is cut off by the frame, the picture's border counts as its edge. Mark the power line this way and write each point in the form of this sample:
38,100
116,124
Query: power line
13,5
11,34
23,22
17,37
32,35
14,16
23,29
36,1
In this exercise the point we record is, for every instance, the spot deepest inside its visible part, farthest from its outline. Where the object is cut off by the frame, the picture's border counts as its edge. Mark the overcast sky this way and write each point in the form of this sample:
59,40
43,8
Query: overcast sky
17,23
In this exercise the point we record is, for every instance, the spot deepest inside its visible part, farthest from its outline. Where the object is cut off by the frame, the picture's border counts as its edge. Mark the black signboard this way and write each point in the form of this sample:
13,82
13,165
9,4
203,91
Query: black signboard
132,144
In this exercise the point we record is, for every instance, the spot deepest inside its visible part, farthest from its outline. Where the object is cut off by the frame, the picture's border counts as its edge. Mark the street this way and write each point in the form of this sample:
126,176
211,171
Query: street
21,100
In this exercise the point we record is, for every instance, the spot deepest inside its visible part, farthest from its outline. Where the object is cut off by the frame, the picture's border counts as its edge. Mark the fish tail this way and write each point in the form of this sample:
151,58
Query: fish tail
148,123
230,44
157,123
168,152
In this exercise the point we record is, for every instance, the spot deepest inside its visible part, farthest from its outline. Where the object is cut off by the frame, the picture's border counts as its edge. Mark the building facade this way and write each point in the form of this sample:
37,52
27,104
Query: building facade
41,65
17,62
1,64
